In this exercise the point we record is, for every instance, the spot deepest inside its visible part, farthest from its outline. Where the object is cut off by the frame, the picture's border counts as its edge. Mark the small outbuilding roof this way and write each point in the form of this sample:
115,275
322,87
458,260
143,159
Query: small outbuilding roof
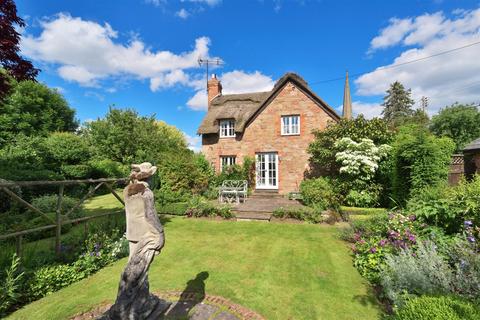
473,146
244,107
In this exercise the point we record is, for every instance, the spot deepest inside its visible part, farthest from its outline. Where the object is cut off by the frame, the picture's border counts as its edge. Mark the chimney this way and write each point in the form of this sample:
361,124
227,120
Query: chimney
214,88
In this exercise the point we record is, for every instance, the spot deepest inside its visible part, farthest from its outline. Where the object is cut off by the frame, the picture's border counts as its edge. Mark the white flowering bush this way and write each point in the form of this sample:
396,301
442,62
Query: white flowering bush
360,159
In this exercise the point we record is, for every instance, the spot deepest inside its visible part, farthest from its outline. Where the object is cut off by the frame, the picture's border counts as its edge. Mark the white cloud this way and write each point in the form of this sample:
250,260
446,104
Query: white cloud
199,101
443,79
194,143
210,3
88,52
369,110
156,3
236,81
182,13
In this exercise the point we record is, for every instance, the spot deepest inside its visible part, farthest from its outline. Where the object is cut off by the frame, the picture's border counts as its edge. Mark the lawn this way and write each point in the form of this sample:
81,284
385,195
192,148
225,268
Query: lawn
282,271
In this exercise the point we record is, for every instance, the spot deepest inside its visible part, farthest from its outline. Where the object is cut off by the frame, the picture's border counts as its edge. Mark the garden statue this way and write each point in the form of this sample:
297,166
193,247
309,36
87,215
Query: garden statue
146,239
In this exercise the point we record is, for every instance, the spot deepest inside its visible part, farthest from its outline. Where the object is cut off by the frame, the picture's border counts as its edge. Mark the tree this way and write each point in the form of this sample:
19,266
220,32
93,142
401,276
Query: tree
461,122
32,108
323,149
16,66
419,159
397,104
127,137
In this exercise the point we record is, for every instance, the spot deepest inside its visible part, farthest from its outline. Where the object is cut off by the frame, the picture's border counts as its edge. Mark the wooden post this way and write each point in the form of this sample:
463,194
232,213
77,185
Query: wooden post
19,246
25,203
58,221
109,187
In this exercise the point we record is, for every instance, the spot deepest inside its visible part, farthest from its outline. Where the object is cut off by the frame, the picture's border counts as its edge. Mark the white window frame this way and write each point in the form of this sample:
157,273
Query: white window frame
289,127
227,128
226,161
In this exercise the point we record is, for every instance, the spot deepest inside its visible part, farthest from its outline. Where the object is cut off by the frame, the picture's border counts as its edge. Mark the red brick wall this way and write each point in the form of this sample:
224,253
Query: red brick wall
263,135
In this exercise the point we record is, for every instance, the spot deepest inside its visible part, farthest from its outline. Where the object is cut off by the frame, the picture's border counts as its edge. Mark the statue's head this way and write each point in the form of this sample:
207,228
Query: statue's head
143,171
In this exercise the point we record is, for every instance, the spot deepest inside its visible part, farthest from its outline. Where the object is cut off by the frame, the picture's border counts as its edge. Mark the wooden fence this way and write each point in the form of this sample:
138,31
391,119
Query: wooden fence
60,219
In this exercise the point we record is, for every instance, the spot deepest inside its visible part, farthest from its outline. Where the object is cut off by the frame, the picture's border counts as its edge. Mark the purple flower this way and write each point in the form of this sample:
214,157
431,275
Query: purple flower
383,242
411,237
373,250
412,217
471,239
468,224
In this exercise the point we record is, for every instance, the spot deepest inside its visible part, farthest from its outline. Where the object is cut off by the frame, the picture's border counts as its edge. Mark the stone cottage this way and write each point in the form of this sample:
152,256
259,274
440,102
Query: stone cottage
274,127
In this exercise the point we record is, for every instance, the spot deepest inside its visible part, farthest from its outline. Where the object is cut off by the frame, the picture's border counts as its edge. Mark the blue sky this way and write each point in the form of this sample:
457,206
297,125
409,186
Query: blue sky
142,53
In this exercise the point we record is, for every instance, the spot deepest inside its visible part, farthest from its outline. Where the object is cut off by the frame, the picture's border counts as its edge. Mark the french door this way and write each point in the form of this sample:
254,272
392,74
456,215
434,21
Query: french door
266,165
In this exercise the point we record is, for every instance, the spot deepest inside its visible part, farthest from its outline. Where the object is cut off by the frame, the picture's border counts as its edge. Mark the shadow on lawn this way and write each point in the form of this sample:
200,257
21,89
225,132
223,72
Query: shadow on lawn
193,294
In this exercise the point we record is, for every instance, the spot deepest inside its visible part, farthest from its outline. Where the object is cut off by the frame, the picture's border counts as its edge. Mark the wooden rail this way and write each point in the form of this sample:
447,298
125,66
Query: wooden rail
60,219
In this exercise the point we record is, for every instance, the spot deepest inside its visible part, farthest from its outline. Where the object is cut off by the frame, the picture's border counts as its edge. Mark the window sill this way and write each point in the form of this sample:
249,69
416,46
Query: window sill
227,137
289,134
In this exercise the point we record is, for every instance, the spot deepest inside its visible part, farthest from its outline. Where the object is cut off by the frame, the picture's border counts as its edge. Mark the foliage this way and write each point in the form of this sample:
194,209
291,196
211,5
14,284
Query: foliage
423,271
33,109
245,171
10,289
397,104
182,175
448,207
322,150
376,237
319,193
419,160
359,160
175,208
304,214
11,61
464,255
100,251
437,308
106,168
48,203
460,122
66,148
199,207
126,137
366,198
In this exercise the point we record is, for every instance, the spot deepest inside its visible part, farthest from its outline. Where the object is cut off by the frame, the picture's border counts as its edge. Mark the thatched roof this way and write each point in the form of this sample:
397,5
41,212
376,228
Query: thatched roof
473,146
244,107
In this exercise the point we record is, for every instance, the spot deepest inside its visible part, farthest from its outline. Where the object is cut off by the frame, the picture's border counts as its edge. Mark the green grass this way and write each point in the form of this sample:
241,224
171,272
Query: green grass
282,271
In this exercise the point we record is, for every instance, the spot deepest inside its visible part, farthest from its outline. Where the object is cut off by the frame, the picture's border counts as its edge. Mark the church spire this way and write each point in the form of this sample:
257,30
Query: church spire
347,100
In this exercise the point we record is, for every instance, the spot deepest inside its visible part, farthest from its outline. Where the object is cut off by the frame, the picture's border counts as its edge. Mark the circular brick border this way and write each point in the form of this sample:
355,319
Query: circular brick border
238,310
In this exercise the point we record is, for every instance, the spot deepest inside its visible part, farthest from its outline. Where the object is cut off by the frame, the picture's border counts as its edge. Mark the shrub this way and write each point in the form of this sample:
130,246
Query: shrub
304,214
177,208
49,279
464,254
437,308
105,168
319,193
10,289
76,171
448,207
419,272
66,148
363,198
199,207
419,160
48,203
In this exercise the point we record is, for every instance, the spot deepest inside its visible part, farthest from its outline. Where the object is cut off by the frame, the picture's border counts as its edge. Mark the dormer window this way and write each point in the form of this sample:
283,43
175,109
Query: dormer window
227,128
290,125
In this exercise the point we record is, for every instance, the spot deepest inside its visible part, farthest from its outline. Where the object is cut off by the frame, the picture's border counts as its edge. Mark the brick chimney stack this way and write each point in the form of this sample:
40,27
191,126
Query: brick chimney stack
214,88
